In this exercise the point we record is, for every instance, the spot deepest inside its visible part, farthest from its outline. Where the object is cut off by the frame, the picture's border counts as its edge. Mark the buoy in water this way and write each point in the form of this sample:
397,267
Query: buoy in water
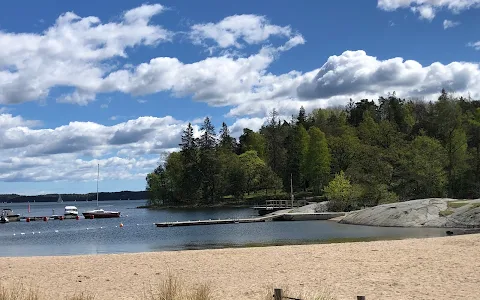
27,220
121,225
45,219
92,217
77,218
61,218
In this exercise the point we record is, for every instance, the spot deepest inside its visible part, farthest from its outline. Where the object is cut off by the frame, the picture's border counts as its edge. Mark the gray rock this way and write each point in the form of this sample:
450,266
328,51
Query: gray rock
307,209
419,213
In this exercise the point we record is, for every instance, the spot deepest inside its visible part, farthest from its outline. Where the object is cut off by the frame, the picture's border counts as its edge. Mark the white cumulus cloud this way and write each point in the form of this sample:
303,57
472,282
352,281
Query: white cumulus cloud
237,30
74,52
125,150
427,8
450,24
475,45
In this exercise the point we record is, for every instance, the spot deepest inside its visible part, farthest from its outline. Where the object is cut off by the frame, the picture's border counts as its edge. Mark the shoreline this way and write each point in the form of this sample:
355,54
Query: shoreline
187,207
417,268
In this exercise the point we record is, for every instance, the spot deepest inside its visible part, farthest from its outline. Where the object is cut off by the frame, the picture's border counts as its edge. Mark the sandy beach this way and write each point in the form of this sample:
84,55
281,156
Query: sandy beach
436,268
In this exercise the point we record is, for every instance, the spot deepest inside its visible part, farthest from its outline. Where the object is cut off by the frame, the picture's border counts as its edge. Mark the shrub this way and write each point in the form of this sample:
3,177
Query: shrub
341,194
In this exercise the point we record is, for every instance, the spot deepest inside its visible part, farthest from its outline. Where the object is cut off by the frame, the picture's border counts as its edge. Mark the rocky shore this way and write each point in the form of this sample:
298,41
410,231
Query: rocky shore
434,212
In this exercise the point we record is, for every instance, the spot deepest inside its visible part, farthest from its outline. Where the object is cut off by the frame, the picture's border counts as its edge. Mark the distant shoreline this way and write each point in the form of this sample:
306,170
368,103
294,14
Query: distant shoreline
102,196
199,206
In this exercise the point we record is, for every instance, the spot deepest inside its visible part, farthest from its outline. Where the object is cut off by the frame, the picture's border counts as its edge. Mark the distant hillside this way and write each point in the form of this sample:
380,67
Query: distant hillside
124,195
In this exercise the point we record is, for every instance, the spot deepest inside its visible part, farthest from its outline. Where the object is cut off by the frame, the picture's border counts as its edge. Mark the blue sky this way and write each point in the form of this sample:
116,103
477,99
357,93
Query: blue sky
87,83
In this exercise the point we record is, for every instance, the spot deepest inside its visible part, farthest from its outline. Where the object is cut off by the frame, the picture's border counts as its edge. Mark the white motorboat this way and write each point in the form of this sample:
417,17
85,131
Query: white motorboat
10,216
71,212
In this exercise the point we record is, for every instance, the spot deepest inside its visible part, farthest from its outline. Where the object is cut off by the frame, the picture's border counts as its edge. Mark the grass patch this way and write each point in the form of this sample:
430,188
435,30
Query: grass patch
81,296
456,204
445,213
19,291
475,205
172,288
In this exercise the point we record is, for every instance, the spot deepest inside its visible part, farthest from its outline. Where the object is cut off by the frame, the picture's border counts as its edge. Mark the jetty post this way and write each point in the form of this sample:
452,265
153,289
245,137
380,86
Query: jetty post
278,294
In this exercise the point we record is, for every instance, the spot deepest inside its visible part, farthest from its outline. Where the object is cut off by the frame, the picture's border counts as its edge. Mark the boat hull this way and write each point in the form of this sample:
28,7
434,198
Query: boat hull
101,215
13,218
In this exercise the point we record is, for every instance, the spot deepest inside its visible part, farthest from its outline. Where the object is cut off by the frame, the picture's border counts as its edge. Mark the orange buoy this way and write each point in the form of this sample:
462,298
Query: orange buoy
27,220
121,225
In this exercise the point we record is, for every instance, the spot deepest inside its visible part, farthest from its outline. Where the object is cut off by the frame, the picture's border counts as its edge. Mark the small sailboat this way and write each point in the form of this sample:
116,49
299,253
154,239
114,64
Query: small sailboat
100,213
60,200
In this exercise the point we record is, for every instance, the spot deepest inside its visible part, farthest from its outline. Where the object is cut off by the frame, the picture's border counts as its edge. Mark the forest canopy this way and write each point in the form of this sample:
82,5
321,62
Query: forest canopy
365,154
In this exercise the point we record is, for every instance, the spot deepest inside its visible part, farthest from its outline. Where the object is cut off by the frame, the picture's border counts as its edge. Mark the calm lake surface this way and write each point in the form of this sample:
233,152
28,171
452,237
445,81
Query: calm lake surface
70,237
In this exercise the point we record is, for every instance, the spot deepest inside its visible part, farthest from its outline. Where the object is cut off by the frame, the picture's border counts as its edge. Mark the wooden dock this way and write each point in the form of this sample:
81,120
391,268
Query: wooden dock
276,205
213,222
44,218
279,217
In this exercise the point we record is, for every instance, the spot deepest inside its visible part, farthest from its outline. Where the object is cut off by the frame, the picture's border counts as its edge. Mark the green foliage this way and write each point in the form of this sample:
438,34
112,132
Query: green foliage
423,169
251,140
341,193
275,134
386,150
318,159
252,167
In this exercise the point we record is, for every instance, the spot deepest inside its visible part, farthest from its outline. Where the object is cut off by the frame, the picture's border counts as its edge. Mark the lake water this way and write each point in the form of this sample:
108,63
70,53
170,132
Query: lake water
138,234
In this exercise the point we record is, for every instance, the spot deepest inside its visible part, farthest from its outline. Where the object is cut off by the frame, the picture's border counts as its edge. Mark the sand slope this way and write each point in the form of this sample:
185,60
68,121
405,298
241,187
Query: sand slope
437,268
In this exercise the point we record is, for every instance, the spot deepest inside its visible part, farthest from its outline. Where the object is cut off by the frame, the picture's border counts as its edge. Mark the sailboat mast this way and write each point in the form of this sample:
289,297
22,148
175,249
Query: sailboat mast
98,176
291,188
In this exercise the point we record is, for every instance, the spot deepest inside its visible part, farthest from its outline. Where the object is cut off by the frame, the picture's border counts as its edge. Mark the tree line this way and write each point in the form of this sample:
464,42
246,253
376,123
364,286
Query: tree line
367,153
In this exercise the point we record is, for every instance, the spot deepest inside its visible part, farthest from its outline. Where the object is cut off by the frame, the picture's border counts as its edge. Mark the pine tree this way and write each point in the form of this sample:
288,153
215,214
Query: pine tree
208,164
302,117
207,139
274,134
227,142
189,153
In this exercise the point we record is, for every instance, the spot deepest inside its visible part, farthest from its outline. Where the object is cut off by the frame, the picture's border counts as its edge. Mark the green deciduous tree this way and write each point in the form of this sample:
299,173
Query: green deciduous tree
251,140
318,159
423,169
342,195
252,166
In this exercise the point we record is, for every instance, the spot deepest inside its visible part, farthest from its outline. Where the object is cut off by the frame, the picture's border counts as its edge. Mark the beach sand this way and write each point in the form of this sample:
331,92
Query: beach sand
435,268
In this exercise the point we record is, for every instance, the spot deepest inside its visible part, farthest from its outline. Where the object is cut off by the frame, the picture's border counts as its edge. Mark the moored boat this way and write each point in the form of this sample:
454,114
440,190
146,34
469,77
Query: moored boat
11,217
71,212
100,213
